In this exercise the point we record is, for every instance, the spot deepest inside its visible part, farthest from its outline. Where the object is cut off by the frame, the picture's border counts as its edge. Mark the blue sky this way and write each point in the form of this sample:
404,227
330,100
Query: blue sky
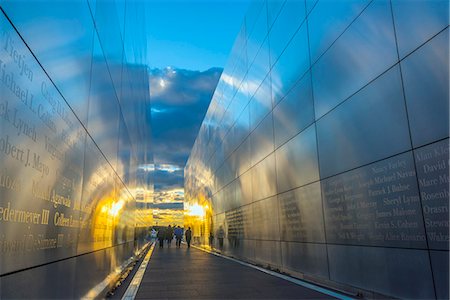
188,45
193,35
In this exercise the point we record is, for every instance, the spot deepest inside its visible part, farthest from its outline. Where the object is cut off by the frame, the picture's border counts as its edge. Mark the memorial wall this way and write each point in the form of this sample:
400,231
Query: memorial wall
325,150
74,145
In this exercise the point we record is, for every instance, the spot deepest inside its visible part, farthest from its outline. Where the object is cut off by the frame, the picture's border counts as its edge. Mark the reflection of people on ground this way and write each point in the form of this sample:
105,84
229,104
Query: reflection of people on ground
178,235
220,236
188,236
169,235
161,236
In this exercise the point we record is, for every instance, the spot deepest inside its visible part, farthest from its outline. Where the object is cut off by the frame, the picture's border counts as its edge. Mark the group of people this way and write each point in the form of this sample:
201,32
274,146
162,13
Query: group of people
170,232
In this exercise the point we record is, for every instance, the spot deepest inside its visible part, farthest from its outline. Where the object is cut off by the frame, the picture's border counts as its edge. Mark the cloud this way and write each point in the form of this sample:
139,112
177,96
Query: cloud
179,100
169,195
182,87
165,179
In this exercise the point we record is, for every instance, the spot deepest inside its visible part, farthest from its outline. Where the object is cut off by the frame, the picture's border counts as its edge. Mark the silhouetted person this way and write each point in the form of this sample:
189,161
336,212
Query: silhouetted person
169,235
211,238
161,236
178,235
188,236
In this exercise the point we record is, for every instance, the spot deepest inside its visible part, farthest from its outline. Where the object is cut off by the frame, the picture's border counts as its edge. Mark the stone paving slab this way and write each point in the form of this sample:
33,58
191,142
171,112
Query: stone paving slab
182,273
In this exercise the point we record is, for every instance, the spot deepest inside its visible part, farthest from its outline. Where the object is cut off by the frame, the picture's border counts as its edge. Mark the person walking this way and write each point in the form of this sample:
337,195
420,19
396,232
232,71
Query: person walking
188,236
211,239
153,235
161,236
178,236
169,235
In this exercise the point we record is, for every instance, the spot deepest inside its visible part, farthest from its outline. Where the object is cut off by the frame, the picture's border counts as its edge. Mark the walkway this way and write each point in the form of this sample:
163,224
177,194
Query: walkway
194,274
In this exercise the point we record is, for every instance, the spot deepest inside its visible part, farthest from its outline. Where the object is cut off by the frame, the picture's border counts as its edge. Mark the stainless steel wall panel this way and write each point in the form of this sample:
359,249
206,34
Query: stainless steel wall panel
242,125
28,285
244,188
63,207
352,162
439,263
357,132
297,161
328,21
239,225
295,112
264,178
301,217
241,100
261,103
362,266
308,258
259,69
124,153
273,9
375,205
289,20
244,249
66,58
233,161
218,202
103,118
425,78
257,30
97,197
291,65
219,154
310,4
227,143
265,219
229,196
120,8
268,253
41,150
261,140
365,50
241,73
111,40
243,157
432,163
418,21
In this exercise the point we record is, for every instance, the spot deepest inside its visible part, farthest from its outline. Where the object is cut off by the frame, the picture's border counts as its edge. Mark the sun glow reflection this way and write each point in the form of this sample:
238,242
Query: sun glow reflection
116,207
196,211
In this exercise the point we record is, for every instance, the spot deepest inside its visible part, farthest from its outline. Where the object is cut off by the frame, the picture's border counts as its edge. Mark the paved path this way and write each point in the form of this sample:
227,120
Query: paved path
194,274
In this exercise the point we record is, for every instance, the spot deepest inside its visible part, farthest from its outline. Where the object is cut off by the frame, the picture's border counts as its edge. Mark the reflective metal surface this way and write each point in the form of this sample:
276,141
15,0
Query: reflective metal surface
365,50
357,132
74,182
290,65
345,180
295,112
296,161
424,76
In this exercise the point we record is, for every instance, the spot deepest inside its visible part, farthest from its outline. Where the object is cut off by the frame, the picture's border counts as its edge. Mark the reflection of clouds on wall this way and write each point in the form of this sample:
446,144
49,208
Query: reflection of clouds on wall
168,216
179,100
